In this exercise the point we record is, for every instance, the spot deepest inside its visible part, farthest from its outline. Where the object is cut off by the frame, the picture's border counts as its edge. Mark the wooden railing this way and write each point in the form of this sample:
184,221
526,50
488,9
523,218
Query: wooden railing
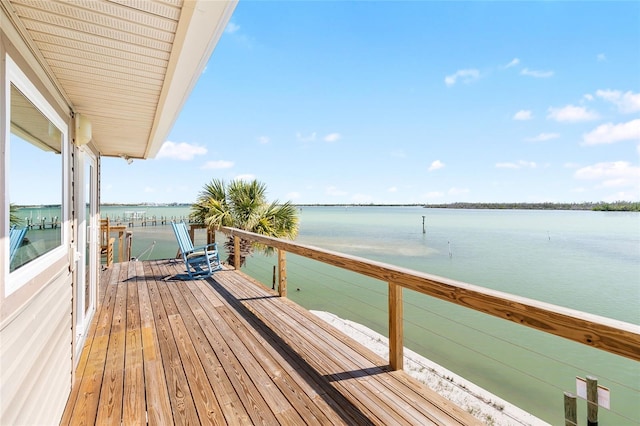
618,337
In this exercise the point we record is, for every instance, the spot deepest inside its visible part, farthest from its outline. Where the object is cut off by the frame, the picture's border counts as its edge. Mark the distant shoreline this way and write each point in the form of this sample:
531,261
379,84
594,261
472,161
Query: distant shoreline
627,206
621,206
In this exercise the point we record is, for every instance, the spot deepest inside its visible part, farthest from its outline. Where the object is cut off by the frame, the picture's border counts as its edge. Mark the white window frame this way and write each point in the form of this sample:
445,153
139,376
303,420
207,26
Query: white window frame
21,276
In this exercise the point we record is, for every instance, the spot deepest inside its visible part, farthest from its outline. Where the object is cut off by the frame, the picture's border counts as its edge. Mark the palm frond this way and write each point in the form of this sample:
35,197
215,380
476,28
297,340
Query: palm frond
14,219
243,204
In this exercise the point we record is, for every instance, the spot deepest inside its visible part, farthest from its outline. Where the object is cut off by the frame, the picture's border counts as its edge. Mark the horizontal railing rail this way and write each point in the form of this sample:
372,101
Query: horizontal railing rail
614,336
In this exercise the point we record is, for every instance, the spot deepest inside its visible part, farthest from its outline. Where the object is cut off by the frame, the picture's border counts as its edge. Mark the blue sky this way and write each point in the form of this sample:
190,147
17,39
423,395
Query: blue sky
409,102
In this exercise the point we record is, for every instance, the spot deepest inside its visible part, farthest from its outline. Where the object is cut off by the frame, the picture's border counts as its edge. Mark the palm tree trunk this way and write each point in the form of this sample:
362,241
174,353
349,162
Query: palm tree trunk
245,250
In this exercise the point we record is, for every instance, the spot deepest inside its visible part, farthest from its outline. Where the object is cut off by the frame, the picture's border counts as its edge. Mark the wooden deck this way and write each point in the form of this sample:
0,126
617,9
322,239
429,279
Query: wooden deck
228,351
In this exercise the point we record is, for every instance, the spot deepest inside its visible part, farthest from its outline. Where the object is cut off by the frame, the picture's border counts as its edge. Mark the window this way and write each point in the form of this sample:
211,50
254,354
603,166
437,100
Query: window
34,180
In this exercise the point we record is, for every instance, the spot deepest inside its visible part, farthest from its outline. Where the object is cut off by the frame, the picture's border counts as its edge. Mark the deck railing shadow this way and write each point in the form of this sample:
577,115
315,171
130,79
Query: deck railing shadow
319,383
363,372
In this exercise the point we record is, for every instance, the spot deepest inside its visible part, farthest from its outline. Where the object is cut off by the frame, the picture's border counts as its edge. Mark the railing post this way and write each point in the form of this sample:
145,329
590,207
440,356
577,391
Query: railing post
396,346
192,233
128,241
236,252
282,273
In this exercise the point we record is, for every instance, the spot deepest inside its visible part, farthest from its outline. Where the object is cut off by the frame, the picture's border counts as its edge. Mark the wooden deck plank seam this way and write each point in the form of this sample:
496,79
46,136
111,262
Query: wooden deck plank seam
83,396
206,402
405,387
314,357
158,404
182,404
410,406
250,395
227,350
310,346
328,394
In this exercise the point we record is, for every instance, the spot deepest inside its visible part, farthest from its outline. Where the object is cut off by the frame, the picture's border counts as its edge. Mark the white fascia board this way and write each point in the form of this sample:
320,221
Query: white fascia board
201,25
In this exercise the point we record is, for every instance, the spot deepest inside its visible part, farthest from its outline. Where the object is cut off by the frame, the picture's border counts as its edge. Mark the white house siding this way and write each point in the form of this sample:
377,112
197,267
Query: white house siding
35,358
36,320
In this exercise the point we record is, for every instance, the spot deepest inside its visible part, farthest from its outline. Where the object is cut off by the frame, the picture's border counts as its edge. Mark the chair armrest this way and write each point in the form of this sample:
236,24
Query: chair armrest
205,248
203,251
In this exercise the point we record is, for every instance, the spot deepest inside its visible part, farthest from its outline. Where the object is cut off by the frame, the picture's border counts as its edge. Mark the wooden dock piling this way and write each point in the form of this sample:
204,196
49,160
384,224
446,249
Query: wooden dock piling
570,409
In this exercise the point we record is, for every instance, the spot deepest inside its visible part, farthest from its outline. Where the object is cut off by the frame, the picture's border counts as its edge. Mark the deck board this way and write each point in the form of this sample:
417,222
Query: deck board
227,350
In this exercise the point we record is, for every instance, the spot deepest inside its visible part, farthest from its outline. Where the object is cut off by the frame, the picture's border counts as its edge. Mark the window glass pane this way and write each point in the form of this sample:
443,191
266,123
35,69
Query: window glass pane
35,182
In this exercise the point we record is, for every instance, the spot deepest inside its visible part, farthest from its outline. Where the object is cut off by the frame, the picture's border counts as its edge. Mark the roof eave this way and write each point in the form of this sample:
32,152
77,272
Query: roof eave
194,43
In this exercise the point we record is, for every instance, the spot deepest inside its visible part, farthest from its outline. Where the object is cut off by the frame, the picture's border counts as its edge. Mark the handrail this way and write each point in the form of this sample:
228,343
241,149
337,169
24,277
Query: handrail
614,336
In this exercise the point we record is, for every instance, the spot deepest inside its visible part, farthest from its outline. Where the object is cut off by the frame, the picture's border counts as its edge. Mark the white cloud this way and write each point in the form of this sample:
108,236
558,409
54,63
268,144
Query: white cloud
332,137
393,189
536,73
589,97
627,102
217,165
231,28
466,76
610,133
335,192
523,114
607,171
458,191
543,137
513,63
245,177
571,114
180,151
436,165
601,57
263,140
619,175
310,138
519,165
571,165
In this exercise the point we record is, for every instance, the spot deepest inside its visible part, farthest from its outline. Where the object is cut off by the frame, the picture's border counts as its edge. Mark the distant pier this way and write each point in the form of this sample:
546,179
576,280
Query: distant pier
137,219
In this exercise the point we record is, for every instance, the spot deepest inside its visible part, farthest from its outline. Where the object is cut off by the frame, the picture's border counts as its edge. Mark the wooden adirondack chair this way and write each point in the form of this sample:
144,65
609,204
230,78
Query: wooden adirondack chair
16,236
201,261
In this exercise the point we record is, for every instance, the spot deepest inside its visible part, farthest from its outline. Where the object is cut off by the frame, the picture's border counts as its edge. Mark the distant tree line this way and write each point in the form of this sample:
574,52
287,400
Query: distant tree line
619,206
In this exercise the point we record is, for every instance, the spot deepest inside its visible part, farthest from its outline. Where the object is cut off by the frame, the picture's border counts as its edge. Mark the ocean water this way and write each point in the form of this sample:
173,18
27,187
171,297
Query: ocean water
589,261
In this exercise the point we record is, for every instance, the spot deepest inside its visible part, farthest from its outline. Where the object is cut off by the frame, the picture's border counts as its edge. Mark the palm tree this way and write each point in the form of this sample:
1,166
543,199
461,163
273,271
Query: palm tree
241,204
13,215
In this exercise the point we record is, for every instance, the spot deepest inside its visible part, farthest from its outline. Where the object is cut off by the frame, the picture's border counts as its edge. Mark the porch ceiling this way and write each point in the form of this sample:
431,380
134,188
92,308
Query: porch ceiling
127,65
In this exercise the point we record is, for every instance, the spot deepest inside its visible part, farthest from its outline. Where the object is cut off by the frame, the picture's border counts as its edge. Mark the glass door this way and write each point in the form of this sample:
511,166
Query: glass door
87,255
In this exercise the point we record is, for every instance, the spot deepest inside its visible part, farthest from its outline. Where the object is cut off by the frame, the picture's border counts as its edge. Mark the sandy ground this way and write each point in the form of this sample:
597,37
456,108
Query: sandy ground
487,407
